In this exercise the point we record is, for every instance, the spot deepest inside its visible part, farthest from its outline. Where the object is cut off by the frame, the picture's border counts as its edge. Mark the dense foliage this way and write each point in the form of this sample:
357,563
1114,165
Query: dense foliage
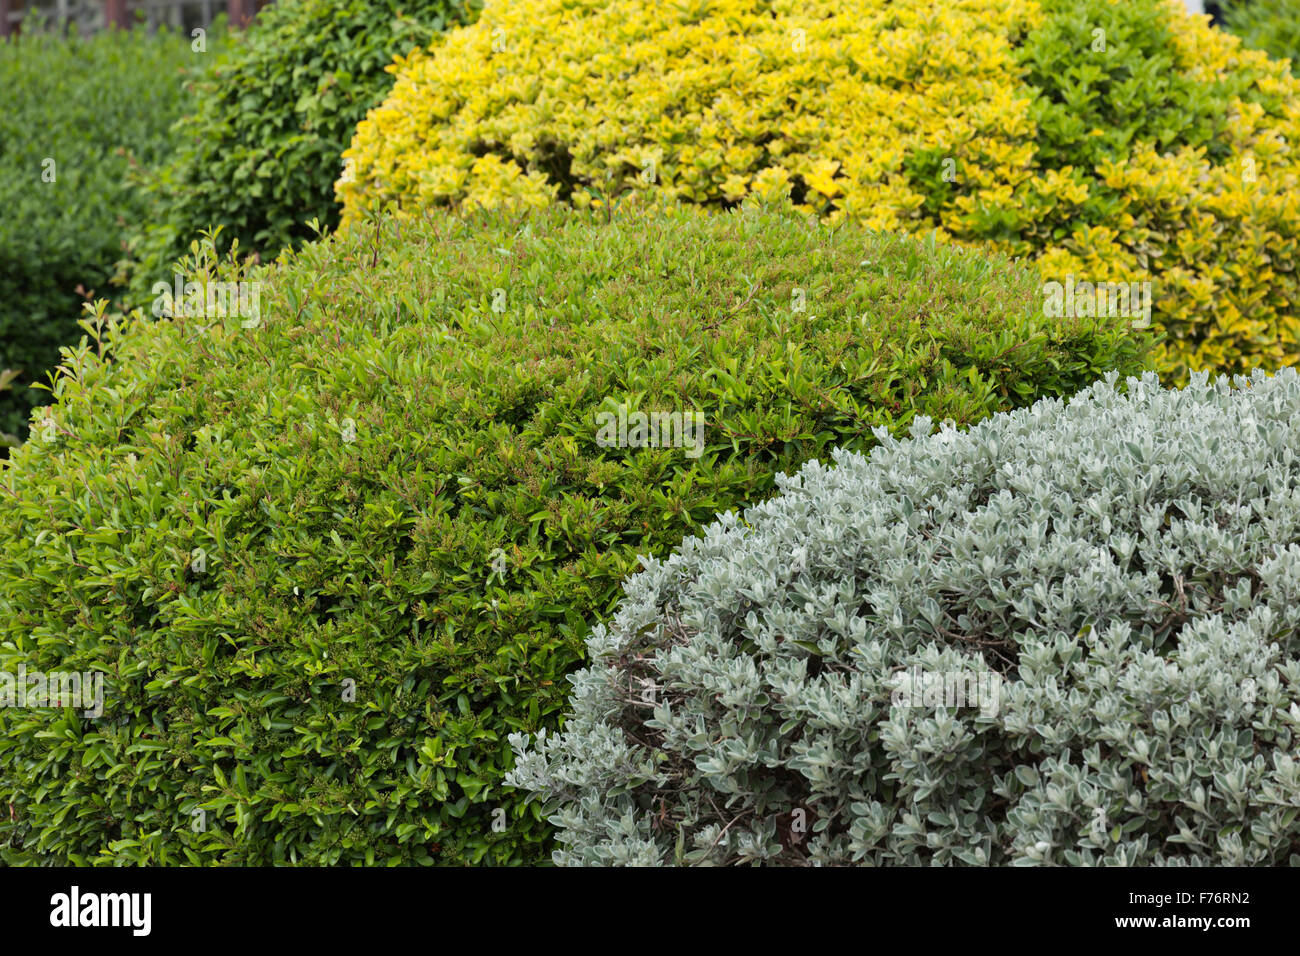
1269,25
1067,635
1112,140
330,555
259,153
75,116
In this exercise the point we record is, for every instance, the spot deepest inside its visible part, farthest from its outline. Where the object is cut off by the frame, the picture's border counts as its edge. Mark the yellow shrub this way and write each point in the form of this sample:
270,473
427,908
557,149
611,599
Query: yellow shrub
1111,141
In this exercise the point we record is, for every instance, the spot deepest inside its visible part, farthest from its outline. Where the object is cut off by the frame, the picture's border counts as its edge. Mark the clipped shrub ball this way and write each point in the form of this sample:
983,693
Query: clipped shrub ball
259,153
1067,635
1114,141
330,556
76,115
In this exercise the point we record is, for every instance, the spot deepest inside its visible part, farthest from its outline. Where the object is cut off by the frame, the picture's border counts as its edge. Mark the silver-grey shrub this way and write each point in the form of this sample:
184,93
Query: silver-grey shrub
1129,563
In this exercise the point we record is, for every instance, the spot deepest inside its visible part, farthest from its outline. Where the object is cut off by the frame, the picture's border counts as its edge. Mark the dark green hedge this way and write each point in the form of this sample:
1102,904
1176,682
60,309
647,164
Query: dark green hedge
259,154
97,107
393,484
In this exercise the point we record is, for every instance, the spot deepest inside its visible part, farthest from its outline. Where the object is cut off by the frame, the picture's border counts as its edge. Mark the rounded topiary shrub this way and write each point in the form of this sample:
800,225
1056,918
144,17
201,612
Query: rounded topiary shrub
1114,141
1066,635
328,556
259,153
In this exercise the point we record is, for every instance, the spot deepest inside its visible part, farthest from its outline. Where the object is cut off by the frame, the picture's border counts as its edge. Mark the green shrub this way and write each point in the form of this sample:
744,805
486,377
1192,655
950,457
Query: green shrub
92,108
395,477
1068,635
1269,25
260,152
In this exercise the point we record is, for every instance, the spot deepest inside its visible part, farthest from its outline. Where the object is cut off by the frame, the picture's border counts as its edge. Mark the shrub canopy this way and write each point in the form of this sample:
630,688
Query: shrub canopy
329,561
1269,25
1112,140
259,152
1113,583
